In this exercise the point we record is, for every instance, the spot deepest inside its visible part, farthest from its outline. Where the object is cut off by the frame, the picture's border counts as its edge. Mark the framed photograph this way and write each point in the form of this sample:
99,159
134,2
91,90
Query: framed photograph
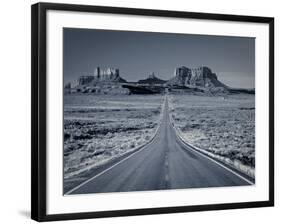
139,111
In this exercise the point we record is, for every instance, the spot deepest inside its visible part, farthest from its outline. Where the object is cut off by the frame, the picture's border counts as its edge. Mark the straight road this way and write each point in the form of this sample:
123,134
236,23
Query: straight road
165,163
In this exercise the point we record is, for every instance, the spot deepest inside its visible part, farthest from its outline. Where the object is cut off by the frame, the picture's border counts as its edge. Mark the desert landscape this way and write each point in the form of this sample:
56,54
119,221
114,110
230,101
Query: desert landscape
100,128
223,126
174,111
107,118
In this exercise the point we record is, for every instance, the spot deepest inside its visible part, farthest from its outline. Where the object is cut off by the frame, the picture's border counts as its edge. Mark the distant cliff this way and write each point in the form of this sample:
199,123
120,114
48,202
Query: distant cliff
200,80
197,77
101,75
152,79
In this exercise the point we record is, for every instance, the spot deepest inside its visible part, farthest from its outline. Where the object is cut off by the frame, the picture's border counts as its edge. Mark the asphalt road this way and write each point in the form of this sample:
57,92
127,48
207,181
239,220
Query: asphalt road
165,163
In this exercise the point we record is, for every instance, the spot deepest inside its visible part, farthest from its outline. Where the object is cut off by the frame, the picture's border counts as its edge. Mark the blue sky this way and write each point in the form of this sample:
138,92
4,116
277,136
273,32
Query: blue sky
137,54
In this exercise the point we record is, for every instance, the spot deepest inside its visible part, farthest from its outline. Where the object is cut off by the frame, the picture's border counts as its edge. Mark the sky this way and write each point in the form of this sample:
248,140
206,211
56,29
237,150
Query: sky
137,54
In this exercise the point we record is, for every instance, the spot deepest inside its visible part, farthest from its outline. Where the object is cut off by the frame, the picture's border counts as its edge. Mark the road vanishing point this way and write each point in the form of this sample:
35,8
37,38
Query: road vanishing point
164,163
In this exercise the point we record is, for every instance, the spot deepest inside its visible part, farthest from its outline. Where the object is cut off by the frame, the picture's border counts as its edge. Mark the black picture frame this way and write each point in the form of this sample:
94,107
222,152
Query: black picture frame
39,107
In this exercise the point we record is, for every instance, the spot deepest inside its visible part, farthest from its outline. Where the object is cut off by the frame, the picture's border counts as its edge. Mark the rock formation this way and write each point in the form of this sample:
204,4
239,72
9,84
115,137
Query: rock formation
101,75
152,79
200,77
199,80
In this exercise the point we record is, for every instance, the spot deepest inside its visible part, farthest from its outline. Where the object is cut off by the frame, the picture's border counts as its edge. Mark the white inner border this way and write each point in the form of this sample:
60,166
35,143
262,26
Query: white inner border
57,203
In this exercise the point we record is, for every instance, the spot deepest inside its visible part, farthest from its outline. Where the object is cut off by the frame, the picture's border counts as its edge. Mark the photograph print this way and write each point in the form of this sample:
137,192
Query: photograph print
147,111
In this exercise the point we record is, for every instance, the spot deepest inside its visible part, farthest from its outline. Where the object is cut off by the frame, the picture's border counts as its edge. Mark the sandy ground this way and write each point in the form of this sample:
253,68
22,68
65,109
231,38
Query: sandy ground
98,128
222,125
